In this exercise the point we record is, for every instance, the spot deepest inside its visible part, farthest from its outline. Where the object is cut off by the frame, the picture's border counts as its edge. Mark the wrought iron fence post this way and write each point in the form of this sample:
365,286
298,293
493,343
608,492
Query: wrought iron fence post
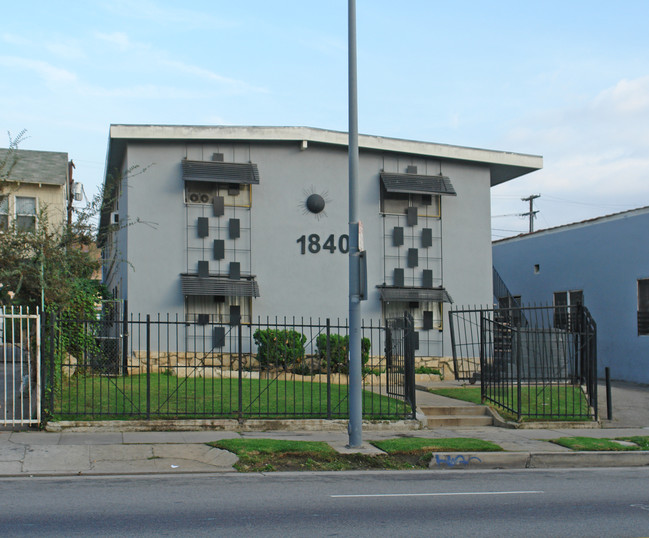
148,366
519,390
125,340
484,374
52,383
328,369
240,341
451,327
409,361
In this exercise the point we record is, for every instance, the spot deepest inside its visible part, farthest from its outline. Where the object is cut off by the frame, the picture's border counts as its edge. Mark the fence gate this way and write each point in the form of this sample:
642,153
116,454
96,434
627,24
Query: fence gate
20,347
400,359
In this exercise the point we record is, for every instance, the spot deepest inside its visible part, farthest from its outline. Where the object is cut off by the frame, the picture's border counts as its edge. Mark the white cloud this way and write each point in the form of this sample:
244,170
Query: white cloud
121,40
48,72
153,12
14,39
66,50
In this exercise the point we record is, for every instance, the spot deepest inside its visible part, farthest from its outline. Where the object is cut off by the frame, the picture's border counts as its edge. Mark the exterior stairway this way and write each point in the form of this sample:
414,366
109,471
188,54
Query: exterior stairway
456,416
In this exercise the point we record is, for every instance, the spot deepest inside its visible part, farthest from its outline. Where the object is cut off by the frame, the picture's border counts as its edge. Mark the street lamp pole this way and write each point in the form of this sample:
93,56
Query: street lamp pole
355,428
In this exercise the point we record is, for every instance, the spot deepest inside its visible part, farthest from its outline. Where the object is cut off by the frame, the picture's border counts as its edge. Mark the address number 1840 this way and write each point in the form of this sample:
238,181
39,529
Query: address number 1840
313,244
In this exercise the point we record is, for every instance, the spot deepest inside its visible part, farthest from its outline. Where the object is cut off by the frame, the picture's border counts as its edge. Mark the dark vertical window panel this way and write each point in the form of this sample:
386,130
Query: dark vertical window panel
428,320
235,270
234,228
397,236
411,216
413,257
218,337
219,206
427,280
203,269
398,277
219,249
426,238
643,307
203,319
415,338
203,227
235,314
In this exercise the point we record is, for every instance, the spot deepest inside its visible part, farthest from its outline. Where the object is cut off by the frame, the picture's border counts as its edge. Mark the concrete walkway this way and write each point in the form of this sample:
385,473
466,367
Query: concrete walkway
99,452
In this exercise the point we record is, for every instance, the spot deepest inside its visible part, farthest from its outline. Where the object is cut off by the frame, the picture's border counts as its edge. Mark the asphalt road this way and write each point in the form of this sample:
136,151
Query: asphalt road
588,502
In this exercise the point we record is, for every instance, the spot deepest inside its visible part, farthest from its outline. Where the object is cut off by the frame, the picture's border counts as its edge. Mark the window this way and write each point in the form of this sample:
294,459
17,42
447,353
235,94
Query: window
643,307
565,303
25,213
4,213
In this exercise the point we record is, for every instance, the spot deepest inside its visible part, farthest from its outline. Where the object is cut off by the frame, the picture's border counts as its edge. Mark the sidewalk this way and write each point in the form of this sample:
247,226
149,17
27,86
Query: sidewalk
34,453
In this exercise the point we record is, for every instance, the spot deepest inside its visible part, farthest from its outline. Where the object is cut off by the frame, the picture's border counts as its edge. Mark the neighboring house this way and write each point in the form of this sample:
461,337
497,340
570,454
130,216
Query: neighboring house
37,180
213,223
602,263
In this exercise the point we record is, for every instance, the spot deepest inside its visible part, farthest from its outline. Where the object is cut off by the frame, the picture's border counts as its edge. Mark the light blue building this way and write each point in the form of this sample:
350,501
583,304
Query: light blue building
604,263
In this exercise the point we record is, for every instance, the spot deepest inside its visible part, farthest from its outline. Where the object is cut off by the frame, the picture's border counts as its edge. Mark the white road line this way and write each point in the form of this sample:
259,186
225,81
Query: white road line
439,494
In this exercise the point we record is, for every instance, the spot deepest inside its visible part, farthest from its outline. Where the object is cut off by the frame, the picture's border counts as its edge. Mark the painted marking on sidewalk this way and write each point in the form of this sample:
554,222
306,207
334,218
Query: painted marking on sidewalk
448,494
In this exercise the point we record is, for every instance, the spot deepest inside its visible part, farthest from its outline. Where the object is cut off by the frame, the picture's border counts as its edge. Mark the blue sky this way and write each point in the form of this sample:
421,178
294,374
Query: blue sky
566,80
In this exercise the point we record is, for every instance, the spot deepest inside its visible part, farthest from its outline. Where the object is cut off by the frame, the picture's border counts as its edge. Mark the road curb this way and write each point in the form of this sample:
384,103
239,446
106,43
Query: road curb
536,460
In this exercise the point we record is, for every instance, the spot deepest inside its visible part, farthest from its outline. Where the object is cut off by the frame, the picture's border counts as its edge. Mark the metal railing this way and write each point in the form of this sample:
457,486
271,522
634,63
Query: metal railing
532,362
162,367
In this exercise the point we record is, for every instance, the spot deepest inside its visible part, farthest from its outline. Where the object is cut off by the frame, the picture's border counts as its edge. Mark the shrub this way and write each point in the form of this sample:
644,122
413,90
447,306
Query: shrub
279,347
339,350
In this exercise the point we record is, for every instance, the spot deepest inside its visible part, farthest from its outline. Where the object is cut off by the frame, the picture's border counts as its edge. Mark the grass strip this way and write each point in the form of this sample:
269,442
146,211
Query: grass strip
590,444
267,455
406,445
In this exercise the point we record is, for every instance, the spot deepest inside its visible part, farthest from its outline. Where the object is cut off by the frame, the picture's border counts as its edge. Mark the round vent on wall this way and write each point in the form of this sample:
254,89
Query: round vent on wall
314,203
205,198
193,197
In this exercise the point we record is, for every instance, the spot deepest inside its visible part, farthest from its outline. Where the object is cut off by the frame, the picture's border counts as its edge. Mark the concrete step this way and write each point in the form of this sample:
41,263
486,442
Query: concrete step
435,410
441,416
458,421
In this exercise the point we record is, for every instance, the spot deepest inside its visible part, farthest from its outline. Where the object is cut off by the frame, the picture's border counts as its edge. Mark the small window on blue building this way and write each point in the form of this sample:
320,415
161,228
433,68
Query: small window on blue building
643,306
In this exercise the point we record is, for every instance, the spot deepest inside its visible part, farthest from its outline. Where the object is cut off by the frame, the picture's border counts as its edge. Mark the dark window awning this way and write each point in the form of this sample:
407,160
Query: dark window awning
397,294
417,184
220,172
219,286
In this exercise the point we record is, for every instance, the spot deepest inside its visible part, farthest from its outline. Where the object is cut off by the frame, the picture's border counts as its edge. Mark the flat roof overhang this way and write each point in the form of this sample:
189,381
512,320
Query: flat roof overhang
504,166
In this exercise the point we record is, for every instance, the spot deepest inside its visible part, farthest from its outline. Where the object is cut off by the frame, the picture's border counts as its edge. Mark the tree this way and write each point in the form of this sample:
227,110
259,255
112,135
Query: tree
48,266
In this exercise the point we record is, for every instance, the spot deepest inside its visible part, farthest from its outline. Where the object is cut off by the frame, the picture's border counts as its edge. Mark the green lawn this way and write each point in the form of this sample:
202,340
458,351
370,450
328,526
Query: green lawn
85,397
591,444
550,402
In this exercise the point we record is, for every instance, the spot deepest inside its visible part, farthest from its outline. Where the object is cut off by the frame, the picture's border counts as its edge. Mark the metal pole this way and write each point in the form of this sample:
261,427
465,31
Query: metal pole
355,428
609,400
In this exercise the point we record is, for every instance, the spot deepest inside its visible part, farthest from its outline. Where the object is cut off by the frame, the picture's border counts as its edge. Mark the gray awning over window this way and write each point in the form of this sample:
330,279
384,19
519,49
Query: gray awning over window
417,184
395,294
220,172
219,286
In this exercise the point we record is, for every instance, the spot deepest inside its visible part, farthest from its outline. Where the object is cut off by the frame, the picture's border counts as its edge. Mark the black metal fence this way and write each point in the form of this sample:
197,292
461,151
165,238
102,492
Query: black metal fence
534,362
164,367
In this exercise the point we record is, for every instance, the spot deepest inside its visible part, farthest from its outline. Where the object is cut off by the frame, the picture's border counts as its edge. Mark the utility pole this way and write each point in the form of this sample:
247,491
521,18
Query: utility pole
355,427
531,213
